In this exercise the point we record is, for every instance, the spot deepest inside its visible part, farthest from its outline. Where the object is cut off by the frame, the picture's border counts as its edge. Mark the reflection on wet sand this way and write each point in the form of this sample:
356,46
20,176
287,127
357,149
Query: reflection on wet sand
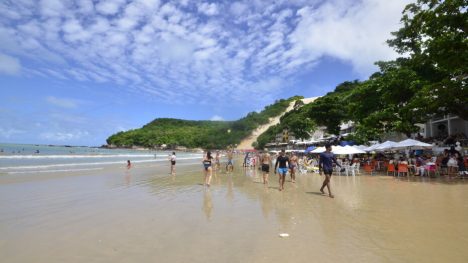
207,204
149,214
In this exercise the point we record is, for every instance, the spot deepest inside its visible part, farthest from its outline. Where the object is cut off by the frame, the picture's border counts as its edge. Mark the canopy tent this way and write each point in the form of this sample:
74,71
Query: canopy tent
361,147
297,151
413,144
385,146
340,150
319,150
306,142
348,150
309,149
372,147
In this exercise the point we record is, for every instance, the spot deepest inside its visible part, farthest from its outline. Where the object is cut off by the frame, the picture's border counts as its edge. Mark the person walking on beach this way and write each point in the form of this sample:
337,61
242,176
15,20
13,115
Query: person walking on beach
265,160
129,164
283,162
217,165
208,169
245,160
293,167
326,161
230,163
173,162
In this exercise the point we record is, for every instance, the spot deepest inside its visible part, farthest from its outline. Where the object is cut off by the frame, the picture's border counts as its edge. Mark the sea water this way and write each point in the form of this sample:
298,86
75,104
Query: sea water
29,158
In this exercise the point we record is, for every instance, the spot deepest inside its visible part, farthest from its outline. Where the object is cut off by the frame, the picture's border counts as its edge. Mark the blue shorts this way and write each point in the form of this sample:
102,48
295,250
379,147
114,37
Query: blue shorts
283,170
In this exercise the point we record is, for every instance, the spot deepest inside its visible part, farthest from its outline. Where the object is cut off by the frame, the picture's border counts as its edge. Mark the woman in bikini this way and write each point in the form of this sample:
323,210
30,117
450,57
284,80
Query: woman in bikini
208,168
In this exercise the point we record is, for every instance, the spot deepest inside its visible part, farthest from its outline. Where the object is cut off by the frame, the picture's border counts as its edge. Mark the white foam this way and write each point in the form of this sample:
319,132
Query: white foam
89,164
75,156
54,171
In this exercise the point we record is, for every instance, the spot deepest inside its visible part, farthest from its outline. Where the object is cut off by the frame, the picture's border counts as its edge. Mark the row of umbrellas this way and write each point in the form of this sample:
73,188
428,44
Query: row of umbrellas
391,145
380,147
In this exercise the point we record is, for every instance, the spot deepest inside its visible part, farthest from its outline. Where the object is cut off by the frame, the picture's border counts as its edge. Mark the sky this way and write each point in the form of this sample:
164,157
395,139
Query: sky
75,72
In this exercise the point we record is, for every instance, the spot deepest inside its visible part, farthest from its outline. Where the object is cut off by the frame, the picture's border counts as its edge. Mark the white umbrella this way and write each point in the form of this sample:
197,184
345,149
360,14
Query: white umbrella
361,147
372,147
385,146
410,143
318,150
348,150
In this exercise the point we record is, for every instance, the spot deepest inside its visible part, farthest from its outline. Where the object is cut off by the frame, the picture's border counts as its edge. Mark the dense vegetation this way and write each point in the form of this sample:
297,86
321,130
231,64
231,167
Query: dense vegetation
193,134
429,79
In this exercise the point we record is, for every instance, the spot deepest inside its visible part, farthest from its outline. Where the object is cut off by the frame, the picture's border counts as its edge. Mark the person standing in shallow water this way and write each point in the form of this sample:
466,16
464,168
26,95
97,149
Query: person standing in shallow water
327,159
129,164
283,162
173,162
208,168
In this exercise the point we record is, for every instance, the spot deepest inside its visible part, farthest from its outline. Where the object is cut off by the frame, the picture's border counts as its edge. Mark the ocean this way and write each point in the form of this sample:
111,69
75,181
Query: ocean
29,158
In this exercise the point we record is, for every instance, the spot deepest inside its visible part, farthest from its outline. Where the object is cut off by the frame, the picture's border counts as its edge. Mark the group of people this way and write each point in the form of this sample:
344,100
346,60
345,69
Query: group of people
208,165
450,162
285,164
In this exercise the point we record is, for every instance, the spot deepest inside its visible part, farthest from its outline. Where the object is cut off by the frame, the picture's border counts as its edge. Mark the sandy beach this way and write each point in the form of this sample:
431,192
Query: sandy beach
147,215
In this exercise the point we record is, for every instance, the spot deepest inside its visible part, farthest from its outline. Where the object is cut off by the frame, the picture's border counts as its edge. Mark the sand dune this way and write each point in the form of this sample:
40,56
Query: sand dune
247,142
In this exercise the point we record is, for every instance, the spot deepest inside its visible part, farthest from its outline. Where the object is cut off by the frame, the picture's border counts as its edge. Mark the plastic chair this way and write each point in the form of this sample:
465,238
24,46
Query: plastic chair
402,168
431,168
358,168
352,169
391,168
368,168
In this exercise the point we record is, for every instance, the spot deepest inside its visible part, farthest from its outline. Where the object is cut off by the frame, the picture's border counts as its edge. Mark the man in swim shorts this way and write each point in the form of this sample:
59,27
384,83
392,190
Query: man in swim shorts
230,162
283,162
265,160
327,159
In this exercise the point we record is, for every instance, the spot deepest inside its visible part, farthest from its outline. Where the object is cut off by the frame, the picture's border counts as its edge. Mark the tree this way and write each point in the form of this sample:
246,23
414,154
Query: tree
300,124
434,36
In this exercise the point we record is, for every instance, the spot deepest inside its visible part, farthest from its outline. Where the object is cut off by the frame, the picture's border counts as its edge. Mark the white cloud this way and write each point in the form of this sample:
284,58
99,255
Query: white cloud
186,51
9,65
352,31
217,118
209,9
7,133
64,136
109,7
238,8
51,7
62,102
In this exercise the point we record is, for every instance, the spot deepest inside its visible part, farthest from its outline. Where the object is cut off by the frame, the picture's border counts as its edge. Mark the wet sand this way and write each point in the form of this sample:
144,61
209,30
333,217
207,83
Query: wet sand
147,215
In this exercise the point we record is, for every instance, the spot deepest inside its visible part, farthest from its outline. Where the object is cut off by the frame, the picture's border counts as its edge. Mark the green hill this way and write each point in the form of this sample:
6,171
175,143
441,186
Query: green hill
194,134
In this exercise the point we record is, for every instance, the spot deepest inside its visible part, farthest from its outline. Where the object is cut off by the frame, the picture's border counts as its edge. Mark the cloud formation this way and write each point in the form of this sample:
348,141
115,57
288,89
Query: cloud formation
217,118
192,52
62,102
9,65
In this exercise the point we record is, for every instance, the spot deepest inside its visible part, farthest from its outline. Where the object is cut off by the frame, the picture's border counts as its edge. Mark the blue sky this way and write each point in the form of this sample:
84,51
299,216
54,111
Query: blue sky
74,72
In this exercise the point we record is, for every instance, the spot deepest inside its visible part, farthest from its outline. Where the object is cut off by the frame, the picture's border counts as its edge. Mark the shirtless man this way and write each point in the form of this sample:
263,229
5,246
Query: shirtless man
293,167
283,162
265,159
230,162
